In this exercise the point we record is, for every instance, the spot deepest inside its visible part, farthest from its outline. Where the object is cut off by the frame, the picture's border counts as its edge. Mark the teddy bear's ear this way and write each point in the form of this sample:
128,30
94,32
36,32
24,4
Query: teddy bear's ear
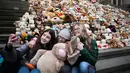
72,45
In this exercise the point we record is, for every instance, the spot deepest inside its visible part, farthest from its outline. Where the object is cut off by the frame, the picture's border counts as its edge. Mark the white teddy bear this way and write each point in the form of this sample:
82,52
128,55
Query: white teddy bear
31,21
22,27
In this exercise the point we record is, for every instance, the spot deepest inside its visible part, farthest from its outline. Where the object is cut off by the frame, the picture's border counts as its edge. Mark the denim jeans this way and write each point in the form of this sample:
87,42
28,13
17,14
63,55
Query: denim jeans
65,69
26,70
84,67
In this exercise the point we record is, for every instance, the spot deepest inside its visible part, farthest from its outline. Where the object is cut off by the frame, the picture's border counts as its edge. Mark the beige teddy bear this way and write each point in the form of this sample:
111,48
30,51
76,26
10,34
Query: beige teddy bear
50,61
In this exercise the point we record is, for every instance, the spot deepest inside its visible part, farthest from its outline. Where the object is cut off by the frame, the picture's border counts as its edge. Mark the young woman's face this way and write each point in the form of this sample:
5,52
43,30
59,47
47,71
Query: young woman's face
61,39
77,30
45,38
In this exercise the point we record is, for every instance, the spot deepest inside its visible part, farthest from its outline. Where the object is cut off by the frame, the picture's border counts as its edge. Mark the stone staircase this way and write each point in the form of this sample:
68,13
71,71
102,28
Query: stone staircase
124,6
110,60
114,61
10,11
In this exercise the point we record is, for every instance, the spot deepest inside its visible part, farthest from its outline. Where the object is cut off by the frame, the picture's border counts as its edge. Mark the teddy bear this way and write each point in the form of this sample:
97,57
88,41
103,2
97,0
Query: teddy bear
47,2
73,52
31,20
23,38
50,9
24,18
29,31
60,13
51,61
99,44
67,25
115,42
18,32
48,14
56,3
102,44
56,20
23,26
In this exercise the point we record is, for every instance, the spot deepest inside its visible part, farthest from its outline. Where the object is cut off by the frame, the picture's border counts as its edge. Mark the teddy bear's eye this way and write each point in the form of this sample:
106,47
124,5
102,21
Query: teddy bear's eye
45,17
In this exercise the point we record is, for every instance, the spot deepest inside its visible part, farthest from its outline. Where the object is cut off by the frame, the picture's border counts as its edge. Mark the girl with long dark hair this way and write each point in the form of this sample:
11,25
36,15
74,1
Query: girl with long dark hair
24,53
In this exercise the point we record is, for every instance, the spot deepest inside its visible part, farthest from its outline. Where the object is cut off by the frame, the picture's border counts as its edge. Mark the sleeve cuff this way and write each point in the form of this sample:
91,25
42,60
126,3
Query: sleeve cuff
82,51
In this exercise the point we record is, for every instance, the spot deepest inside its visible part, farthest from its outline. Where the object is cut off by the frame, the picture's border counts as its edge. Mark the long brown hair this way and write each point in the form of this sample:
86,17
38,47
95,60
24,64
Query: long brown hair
39,45
84,36
50,44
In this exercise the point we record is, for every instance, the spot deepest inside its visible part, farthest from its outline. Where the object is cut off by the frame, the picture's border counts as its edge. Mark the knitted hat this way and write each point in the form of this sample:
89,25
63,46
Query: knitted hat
65,33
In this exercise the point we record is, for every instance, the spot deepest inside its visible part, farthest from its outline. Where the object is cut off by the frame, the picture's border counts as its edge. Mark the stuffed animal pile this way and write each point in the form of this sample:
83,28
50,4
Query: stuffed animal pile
110,26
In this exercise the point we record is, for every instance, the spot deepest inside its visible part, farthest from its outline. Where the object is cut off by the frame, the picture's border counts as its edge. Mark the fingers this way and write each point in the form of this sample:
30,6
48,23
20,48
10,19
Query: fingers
13,38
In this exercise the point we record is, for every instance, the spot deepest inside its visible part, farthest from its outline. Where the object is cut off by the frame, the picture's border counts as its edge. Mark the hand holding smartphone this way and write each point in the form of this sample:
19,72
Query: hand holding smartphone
13,39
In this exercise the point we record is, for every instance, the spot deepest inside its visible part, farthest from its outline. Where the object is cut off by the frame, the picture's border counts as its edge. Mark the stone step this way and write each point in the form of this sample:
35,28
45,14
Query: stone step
113,65
2,23
3,45
13,1
11,14
124,6
6,18
7,30
116,52
7,25
127,71
4,38
12,11
113,60
14,5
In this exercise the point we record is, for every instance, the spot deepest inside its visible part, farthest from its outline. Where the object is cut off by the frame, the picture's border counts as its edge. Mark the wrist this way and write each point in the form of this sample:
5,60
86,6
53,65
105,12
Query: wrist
34,39
8,47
